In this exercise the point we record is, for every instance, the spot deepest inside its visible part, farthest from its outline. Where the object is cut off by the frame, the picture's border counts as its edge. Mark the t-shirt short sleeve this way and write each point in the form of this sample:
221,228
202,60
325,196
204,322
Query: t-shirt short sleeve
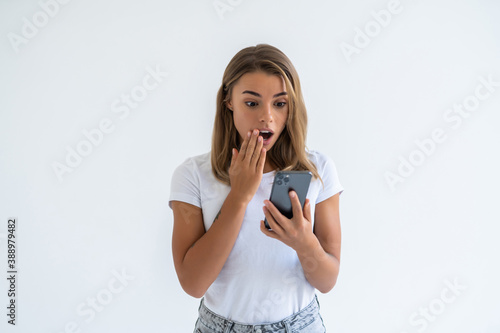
184,185
330,177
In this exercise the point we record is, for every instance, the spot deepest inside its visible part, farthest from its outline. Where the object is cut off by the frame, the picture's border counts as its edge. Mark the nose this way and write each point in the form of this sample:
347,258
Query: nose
266,114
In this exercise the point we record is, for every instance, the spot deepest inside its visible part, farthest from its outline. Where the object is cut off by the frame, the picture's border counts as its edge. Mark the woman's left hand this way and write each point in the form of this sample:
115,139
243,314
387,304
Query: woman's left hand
295,232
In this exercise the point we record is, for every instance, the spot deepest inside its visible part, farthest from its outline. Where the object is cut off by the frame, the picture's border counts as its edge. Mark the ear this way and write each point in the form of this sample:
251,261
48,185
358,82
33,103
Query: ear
229,105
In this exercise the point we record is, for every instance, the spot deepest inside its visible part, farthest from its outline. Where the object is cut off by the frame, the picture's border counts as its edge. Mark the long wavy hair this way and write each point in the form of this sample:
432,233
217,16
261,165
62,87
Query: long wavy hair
289,151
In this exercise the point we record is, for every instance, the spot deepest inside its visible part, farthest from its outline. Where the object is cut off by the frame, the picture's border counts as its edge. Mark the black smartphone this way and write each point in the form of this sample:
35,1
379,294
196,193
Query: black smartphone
284,182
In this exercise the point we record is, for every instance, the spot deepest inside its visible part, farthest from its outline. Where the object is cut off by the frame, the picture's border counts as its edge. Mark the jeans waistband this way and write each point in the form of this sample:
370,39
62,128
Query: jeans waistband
295,321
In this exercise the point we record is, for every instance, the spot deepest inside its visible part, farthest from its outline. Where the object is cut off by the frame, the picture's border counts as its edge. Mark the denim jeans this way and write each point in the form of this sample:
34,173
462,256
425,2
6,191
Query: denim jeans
308,320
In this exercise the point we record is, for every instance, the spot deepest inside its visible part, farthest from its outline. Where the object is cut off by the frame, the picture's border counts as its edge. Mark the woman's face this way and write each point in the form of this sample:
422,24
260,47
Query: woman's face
259,101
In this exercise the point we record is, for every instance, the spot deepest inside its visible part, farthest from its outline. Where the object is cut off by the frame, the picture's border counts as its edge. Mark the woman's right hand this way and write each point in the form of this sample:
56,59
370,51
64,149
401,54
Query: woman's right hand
247,167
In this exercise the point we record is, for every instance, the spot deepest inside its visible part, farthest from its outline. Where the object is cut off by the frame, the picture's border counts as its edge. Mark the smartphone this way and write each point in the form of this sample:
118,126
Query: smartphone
284,182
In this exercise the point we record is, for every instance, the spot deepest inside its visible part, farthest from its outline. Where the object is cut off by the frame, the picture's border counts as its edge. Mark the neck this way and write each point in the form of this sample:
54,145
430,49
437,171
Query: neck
268,167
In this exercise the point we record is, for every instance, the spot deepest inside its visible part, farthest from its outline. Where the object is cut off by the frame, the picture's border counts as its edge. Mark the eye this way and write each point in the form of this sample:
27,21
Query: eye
250,104
280,104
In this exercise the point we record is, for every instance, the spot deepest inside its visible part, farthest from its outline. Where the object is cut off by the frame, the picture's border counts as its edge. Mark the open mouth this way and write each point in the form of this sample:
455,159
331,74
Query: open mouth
266,135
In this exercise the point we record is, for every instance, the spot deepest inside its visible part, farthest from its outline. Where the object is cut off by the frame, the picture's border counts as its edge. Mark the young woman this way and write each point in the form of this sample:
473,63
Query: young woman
253,279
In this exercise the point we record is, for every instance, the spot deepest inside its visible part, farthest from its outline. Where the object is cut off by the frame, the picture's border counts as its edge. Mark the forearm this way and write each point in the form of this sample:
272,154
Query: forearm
206,257
321,269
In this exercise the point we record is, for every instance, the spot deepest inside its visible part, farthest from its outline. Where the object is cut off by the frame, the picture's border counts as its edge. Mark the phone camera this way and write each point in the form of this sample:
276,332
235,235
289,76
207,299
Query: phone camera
279,182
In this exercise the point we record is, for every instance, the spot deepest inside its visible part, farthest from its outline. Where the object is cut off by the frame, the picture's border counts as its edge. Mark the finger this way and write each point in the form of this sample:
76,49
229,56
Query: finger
234,168
271,213
257,151
262,160
296,208
244,145
307,210
234,156
251,146
266,231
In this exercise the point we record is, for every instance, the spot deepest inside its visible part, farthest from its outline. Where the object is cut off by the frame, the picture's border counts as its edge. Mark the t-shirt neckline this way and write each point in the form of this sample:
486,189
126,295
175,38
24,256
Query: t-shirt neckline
269,174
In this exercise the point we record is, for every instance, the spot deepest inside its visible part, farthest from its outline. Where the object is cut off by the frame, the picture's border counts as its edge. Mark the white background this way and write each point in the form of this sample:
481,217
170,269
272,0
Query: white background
402,246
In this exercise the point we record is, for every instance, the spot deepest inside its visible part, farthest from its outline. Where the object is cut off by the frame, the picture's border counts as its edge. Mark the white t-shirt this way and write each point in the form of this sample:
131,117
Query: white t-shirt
262,280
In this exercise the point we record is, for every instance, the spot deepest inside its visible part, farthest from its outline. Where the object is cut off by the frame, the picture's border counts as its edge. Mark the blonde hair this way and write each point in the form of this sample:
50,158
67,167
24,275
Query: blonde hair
288,153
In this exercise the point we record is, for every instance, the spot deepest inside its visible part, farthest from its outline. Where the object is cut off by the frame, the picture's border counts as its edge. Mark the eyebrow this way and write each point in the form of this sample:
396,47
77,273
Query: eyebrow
258,95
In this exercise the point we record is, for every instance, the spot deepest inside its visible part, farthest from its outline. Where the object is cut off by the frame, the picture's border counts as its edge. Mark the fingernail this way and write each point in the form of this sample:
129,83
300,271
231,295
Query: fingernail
255,132
249,133
292,194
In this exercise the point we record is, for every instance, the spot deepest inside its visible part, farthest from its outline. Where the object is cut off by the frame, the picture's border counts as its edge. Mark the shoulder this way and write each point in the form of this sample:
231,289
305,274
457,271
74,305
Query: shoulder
325,165
195,162
194,167
319,158
327,169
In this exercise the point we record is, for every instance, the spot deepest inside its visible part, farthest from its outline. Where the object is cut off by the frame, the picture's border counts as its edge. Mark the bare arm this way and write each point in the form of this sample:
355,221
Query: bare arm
199,256
321,258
